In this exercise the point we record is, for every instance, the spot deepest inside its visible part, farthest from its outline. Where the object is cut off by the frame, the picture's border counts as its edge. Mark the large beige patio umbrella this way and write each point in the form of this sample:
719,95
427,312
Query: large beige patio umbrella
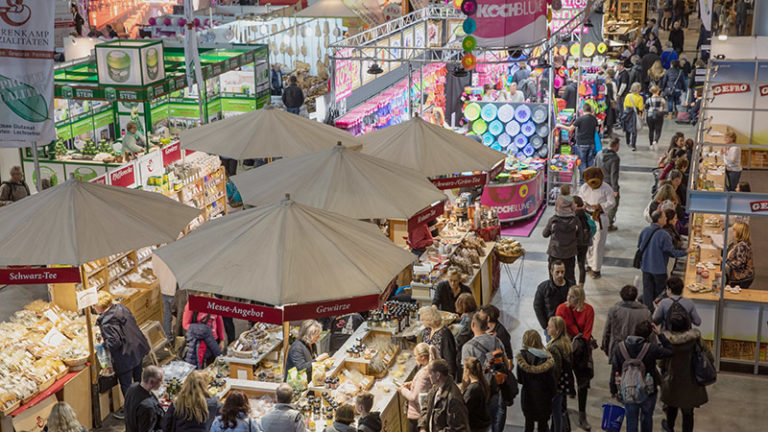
343,181
77,222
430,149
327,9
285,253
264,133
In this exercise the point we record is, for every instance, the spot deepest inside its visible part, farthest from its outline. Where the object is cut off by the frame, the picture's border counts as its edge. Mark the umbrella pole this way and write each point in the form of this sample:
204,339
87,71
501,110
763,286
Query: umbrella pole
286,334
37,166
95,407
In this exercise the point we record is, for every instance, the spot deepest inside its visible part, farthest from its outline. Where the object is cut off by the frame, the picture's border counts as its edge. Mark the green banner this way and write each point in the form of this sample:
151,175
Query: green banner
238,105
103,119
81,127
64,132
214,107
160,112
188,111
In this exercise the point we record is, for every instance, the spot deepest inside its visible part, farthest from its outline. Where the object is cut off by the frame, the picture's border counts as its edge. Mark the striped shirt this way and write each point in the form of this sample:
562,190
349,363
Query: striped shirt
656,106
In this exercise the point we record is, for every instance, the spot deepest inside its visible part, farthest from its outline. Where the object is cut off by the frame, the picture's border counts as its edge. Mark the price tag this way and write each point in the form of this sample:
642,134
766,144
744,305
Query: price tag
87,298
51,315
54,338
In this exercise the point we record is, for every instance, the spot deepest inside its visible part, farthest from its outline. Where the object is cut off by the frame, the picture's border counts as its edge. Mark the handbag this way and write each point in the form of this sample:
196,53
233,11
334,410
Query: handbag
703,370
638,120
583,366
638,260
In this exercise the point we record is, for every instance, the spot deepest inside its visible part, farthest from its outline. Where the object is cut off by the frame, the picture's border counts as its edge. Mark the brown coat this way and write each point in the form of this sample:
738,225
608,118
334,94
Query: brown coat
446,414
11,192
678,386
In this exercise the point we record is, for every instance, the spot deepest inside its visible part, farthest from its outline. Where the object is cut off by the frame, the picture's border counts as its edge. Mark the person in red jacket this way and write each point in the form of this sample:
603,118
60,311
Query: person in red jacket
579,319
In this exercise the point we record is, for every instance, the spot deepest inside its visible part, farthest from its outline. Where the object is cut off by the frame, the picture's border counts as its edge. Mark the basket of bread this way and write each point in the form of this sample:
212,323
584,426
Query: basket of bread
508,251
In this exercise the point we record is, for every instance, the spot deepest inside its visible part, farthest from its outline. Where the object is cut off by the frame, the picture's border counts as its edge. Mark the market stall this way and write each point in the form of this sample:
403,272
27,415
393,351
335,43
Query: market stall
92,110
732,314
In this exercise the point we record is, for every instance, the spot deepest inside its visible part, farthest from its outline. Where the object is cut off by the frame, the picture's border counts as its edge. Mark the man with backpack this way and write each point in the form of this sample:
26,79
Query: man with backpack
675,305
495,361
634,377
14,189
654,248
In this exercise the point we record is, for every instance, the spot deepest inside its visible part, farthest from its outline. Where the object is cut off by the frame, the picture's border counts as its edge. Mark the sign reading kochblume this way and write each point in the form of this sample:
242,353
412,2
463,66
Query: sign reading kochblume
26,75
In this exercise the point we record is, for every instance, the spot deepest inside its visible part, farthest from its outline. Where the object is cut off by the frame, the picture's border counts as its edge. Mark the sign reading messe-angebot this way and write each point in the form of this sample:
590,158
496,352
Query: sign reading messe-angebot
26,75
504,23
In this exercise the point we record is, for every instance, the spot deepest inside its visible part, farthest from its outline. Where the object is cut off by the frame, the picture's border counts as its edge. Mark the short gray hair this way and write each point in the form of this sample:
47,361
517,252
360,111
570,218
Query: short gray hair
151,374
284,393
15,169
308,330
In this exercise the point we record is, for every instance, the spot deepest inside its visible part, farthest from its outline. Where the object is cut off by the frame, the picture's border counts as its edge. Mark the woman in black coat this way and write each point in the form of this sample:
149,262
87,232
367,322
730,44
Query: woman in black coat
122,338
476,394
534,374
193,410
439,336
302,352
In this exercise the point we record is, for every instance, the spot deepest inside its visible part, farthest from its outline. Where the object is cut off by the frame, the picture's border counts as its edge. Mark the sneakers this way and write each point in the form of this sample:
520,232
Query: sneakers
595,274
583,423
119,414
613,228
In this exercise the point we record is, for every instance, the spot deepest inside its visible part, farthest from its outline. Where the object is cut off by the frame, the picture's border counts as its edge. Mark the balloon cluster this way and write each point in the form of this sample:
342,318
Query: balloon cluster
181,22
468,8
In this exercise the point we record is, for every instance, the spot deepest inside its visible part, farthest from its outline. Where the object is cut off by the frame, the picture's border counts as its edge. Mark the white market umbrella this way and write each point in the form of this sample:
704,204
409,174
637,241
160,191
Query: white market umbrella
286,253
264,133
77,222
343,181
327,9
430,149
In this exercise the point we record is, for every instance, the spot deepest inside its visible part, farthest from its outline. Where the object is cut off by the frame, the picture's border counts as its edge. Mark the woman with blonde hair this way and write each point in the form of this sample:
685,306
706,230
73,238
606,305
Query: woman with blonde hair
412,390
476,392
63,419
193,410
740,269
732,159
303,350
656,73
439,336
633,111
561,349
534,373
579,319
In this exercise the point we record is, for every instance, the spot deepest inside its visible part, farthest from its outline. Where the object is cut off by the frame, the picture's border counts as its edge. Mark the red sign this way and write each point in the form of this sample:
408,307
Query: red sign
123,177
46,275
102,179
729,88
171,153
245,311
764,90
425,215
496,170
758,206
459,182
330,308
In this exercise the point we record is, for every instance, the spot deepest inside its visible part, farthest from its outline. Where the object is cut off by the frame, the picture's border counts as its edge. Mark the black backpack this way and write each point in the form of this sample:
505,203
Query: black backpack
677,311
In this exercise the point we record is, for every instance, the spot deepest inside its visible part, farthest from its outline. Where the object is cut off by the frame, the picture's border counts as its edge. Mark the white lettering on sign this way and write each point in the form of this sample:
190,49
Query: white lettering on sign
508,10
21,276
730,88
243,312
756,206
764,90
333,308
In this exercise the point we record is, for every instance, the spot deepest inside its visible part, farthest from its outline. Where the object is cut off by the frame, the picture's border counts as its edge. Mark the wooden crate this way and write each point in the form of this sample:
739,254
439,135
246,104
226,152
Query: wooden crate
146,303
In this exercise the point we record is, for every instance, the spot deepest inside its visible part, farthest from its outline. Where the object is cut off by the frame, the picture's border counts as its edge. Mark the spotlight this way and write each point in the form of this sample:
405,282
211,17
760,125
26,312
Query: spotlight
588,24
375,69
459,72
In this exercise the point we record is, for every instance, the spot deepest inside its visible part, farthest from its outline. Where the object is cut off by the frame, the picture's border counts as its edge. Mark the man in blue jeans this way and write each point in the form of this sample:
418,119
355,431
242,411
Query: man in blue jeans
293,97
585,127
632,348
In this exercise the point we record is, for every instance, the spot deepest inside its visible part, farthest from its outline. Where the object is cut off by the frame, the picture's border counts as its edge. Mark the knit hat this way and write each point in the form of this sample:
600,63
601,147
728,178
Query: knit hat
564,206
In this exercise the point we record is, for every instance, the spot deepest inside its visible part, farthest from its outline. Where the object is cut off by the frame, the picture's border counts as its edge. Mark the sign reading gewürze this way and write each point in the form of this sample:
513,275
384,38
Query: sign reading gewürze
26,75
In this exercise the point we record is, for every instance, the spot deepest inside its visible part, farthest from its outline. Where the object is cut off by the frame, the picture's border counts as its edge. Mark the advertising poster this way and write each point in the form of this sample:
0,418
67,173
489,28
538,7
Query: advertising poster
503,23
118,66
26,75
561,18
347,76
762,86
514,201
54,172
153,66
733,85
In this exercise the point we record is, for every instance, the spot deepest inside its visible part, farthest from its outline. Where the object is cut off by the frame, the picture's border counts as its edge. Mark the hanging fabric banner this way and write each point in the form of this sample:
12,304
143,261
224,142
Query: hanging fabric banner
705,11
509,23
26,77
191,54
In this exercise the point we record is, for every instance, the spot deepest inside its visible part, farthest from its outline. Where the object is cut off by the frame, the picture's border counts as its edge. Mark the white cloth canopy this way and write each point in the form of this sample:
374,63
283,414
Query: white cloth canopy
286,253
430,149
343,181
264,133
77,222
327,9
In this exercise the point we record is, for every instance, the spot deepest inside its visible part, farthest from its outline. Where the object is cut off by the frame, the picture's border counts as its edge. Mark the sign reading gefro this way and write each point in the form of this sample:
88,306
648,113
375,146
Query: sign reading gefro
26,77
504,23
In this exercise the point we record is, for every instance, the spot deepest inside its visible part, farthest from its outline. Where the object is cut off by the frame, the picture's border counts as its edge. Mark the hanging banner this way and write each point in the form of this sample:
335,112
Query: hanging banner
426,215
245,311
330,308
705,11
460,181
32,276
507,23
26,77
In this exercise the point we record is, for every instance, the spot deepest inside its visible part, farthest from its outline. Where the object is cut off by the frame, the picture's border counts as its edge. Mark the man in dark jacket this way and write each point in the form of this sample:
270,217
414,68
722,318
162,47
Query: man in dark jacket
622,319
369,421
200,333
293,97
649,59
570,94
634,345
444,409
143,412
551,293
14,189
122,338
609,161
677,37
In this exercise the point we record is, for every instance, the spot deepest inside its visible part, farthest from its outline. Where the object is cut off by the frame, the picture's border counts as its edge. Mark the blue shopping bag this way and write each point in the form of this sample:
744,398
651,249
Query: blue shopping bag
613,417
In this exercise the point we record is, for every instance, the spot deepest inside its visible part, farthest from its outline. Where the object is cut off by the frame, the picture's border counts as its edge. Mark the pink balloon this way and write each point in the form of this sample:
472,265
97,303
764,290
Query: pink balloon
181,22
207,21
166,21
152,21
197,22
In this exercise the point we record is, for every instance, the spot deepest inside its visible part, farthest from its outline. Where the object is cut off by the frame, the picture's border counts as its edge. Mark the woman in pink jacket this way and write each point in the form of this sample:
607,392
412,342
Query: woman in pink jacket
421,384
